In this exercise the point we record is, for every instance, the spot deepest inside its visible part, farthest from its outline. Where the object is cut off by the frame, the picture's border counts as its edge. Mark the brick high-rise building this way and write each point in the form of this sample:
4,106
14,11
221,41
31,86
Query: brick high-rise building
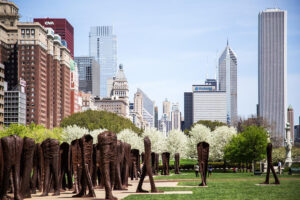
61,27
44,63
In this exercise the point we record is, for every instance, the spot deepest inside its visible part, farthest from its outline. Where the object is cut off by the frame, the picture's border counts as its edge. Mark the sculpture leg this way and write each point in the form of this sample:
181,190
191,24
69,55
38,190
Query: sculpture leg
267,181
5,179
54,167
274,174
139,188
107,181
16,176
34,180
89,182
149,172
70,182
46,178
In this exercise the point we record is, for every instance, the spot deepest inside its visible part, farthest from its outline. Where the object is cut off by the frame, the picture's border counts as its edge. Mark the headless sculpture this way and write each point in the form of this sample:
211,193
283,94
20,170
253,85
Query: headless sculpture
165,160
126,163
26,166
270,166
177,158
96,167
134,156
86,145
76,164
119,162
107,142
38,161
146,170
153,163
12,150
65,169
51,161
203,153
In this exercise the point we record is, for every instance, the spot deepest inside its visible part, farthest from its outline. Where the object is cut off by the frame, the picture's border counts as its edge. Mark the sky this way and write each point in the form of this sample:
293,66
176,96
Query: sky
167,46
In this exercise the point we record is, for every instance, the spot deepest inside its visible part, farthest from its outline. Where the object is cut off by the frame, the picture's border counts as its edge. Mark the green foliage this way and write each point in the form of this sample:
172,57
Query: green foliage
92,120
212,125
248,146
37,132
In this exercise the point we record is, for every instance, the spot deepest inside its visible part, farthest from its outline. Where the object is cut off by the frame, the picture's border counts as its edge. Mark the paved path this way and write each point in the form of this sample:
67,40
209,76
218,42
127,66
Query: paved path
100,193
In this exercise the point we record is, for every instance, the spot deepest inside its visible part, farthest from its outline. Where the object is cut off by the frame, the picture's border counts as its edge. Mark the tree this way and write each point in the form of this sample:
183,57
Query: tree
158,144
177,143
131,138
249,146
212,125
73,132
221,137
199,133
92,120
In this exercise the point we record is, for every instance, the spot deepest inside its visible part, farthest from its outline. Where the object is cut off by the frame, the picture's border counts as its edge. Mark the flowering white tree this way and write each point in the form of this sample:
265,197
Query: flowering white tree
73,132
177,143
199,133
221,137
95,134
158,141
132,138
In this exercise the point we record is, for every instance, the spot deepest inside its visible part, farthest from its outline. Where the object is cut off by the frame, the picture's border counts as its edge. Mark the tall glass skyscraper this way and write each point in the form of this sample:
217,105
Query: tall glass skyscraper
272,70
228,82
148,108
103,47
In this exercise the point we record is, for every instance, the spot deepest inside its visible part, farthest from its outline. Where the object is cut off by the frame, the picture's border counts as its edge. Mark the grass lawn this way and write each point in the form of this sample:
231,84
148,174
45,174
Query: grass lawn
223,186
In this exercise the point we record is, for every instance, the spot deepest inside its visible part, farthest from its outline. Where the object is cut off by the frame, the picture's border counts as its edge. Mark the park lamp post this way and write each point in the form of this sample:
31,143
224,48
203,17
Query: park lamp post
288,146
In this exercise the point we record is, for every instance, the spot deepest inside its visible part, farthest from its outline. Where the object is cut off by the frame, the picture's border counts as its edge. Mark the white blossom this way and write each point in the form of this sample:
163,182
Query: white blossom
73,132
132,138
158,141
177,143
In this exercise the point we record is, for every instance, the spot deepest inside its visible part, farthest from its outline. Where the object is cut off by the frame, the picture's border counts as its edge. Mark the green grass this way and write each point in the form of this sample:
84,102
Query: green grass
223,186
216,175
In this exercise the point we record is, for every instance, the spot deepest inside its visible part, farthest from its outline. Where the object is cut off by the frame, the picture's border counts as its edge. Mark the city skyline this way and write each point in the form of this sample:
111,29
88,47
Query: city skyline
190,37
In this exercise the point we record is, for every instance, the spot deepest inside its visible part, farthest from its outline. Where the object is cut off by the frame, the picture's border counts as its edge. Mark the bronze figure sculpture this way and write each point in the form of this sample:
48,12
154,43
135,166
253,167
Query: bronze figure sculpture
38,163
12,150
50,149
156,163
86,145
203,153
270,166
107,142
96,167
76,164
126,163
134,166
119,162
26,166
166,161
146,170
65,169
177,158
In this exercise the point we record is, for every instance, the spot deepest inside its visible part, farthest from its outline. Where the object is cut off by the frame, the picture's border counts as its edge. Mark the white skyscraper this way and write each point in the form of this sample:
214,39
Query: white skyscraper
103,46
176,117
272,70
228,82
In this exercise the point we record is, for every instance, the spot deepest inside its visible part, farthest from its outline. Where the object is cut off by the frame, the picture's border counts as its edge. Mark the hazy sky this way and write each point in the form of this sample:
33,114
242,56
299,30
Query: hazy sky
166,46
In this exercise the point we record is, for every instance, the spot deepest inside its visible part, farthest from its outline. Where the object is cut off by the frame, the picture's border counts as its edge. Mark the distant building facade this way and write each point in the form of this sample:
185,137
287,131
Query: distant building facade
188,110
176,117
89,75
147,109
61,27
103,47
167,109
228,82
209,106
272,70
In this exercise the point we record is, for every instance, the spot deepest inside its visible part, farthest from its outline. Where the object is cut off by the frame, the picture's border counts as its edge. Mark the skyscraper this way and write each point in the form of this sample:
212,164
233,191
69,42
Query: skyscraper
176,117
61,27
147,109
228,82
103,46
89,74
272,70
167,108
188,110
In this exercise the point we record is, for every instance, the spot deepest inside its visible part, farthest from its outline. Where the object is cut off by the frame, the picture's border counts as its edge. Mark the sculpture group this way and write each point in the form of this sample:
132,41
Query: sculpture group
51,167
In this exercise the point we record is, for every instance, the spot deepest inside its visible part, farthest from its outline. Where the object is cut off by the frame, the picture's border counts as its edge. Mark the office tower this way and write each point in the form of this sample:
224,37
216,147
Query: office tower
147,109
209,106
210,85
89,75
15,105
272,70
228,82
103,46
8,42
188,110
290,119
156,117
61,27
75,102
176,117
167,109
